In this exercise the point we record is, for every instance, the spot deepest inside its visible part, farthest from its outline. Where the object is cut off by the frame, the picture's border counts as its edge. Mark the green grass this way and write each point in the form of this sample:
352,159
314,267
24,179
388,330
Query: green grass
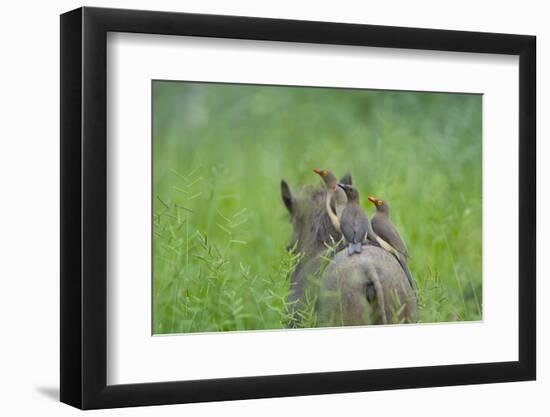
220,228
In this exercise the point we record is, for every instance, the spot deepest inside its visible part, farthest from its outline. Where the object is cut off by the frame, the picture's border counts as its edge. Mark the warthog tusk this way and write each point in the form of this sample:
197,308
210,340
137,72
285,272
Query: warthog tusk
333,217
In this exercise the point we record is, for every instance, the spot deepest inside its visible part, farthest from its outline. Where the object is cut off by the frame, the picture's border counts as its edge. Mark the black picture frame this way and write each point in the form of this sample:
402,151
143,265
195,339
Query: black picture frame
84,207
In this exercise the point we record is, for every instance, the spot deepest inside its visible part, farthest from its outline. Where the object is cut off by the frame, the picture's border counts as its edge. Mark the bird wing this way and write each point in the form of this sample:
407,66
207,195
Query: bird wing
354,224
362,227
387,231
347,226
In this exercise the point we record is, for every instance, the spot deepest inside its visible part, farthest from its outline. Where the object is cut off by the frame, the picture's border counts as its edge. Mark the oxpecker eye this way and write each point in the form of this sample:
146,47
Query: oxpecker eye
379,202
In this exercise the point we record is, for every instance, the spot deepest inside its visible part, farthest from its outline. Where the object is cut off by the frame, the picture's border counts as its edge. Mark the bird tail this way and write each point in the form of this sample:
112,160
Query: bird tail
355,248
402,259
403,262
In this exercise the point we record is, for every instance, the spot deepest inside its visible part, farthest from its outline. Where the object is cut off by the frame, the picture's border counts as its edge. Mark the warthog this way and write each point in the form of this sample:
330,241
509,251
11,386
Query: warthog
366,288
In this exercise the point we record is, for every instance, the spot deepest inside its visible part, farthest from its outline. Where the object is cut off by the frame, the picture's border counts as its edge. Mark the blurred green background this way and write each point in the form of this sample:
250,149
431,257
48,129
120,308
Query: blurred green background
221,230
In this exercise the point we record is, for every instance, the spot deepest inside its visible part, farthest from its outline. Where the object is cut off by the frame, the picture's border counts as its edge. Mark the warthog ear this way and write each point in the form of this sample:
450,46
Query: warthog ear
346,179
286,194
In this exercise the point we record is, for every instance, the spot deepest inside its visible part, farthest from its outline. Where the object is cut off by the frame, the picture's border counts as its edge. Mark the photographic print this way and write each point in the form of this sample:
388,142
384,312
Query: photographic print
279,207
368,202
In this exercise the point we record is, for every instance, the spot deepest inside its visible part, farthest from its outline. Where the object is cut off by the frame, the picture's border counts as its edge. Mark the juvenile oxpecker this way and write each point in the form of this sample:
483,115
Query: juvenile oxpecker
354,222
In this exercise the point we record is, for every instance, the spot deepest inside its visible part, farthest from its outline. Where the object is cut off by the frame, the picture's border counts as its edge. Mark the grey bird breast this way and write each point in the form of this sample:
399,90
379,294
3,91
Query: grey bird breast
354,223
384,228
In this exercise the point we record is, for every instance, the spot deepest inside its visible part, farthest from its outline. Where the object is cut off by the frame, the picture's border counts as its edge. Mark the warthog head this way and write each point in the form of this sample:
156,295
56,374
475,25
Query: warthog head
366,288
312,228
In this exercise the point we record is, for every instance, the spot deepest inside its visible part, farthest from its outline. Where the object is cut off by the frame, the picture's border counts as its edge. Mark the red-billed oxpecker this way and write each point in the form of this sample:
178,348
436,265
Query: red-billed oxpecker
383,227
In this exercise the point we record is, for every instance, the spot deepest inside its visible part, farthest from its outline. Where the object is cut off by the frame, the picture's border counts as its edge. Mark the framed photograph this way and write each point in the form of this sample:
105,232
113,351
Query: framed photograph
257,208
